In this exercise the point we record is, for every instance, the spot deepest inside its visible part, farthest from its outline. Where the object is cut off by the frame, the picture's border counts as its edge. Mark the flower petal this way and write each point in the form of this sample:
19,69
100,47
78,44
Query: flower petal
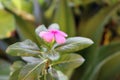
47,36
60,39
62,33
41,34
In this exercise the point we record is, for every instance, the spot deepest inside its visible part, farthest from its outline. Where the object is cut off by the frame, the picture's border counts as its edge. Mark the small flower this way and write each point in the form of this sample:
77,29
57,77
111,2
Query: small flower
53,34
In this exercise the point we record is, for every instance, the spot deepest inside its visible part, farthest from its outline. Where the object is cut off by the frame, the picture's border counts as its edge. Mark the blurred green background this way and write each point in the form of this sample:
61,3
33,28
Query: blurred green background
98,20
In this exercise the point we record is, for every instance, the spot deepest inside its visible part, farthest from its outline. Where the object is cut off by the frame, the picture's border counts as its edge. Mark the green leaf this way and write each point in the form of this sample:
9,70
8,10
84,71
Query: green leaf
4,77
31,59
87,1
67,63
40,28
57,75
54,26
15,70
51,54
64,17
74,44
4,67
19,6
14,75
25,29
7,24
25,48
31,71
110,67
17,65
50,11
61,76
93,28
106,51
110,2
4,70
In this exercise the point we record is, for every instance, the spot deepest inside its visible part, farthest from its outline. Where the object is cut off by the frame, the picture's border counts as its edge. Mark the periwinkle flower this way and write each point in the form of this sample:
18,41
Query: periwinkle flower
53,34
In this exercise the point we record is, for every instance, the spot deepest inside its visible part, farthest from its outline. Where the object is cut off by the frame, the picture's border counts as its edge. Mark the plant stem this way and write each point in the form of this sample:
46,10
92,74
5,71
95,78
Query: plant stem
45,76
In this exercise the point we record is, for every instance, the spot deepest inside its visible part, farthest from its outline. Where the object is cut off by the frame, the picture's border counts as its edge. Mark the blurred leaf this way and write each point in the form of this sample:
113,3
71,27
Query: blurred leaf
64,17
41,1
110,67
31,71
4,70
4,77
25,11
104,53
1,6
17,3
67,63
93,28
87,1
7,24
49,12
110,2
19,6
74,44
77,2
25,48
4,67
26,29
108,50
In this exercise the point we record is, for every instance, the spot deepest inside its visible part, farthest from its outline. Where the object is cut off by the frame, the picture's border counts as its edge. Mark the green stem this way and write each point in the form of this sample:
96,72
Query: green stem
45,75
41,57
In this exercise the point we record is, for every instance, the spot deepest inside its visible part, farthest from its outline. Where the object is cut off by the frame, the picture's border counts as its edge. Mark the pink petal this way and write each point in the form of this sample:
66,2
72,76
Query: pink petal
47,36
62,33
59,38
41,34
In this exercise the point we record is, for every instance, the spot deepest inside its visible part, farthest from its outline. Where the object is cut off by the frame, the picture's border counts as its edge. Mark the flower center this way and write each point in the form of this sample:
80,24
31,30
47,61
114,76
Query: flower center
54,31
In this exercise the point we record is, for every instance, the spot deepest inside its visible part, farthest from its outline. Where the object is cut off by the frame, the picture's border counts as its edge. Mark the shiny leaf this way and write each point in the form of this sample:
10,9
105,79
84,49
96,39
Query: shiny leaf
68,62
25,48
74,44
31,71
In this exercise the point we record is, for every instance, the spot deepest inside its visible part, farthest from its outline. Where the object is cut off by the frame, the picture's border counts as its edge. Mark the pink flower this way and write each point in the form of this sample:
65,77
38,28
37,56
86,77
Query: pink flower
53,34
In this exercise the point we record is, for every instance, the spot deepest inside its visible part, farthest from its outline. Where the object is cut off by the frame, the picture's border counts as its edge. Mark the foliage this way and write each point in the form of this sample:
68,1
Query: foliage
95,19
47,62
